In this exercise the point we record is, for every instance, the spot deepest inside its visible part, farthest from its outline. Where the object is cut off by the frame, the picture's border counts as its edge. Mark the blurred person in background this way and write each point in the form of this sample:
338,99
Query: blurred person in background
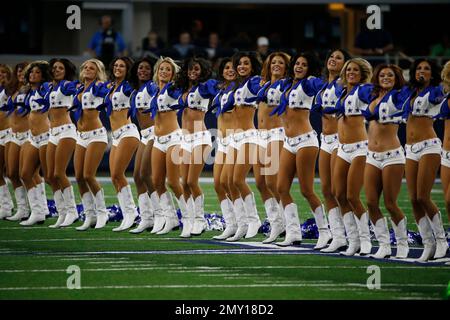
107,43
152,44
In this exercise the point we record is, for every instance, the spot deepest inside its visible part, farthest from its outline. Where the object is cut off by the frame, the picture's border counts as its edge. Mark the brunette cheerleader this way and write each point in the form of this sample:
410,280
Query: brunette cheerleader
423,155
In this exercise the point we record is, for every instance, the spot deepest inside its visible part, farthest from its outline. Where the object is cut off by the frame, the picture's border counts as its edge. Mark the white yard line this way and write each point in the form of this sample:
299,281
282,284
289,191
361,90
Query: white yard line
201,286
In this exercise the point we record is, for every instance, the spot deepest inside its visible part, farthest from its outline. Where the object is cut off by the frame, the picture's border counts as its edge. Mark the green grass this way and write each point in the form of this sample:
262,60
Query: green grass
33,264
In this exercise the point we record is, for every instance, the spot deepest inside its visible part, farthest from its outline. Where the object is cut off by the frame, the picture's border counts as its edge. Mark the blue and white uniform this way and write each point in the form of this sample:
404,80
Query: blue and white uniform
93,98
142,101
198,98
300,96
444,114
223,103
387,111
355,103
120,100
5,135
325,102
17,105
36,102
61,96
167,100
245,95
425,104
271,94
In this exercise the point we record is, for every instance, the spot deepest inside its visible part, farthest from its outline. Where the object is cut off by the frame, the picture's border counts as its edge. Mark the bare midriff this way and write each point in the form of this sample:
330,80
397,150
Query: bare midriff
296,122
265,120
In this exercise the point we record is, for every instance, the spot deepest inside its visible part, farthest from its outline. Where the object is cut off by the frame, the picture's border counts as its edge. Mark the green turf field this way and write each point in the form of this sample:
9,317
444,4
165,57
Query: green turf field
34,262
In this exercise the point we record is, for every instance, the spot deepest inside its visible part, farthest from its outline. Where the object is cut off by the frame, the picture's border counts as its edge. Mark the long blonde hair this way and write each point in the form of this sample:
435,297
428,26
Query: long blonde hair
101,73
175,68
445,75
364,67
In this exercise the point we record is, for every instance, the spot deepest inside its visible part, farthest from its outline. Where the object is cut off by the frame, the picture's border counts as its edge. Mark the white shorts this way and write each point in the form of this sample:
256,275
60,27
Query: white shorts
445,160
192,140
147,135
87,137
163,143
5,136
329,142
263,137
20,138
233,144
276,134
126,131
223,143
40,140
417,150
62,132
243,137
349,151
383,159
304,140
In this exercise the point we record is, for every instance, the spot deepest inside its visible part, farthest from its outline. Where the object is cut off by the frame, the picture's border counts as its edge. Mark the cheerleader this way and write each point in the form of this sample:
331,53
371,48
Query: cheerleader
445,161
423,150
226,192
141,79
385,163
62,140
125,135
197,92
301,146
271,132
166,149
33,154
19,136
92,141
351,157
326,102
246,142
6,203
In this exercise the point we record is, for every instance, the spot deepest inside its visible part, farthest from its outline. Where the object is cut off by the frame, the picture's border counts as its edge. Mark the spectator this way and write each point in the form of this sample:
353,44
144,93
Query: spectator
242,42
184,47
262,47
213,49
107,43
442,48
152,44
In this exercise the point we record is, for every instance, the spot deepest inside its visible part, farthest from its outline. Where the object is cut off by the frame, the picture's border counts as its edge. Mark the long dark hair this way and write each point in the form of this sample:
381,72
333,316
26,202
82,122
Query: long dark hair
399,79
182,79
14,83
128,63
435,74
346,55
254,60
134,79
314,67
69,67
43,66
